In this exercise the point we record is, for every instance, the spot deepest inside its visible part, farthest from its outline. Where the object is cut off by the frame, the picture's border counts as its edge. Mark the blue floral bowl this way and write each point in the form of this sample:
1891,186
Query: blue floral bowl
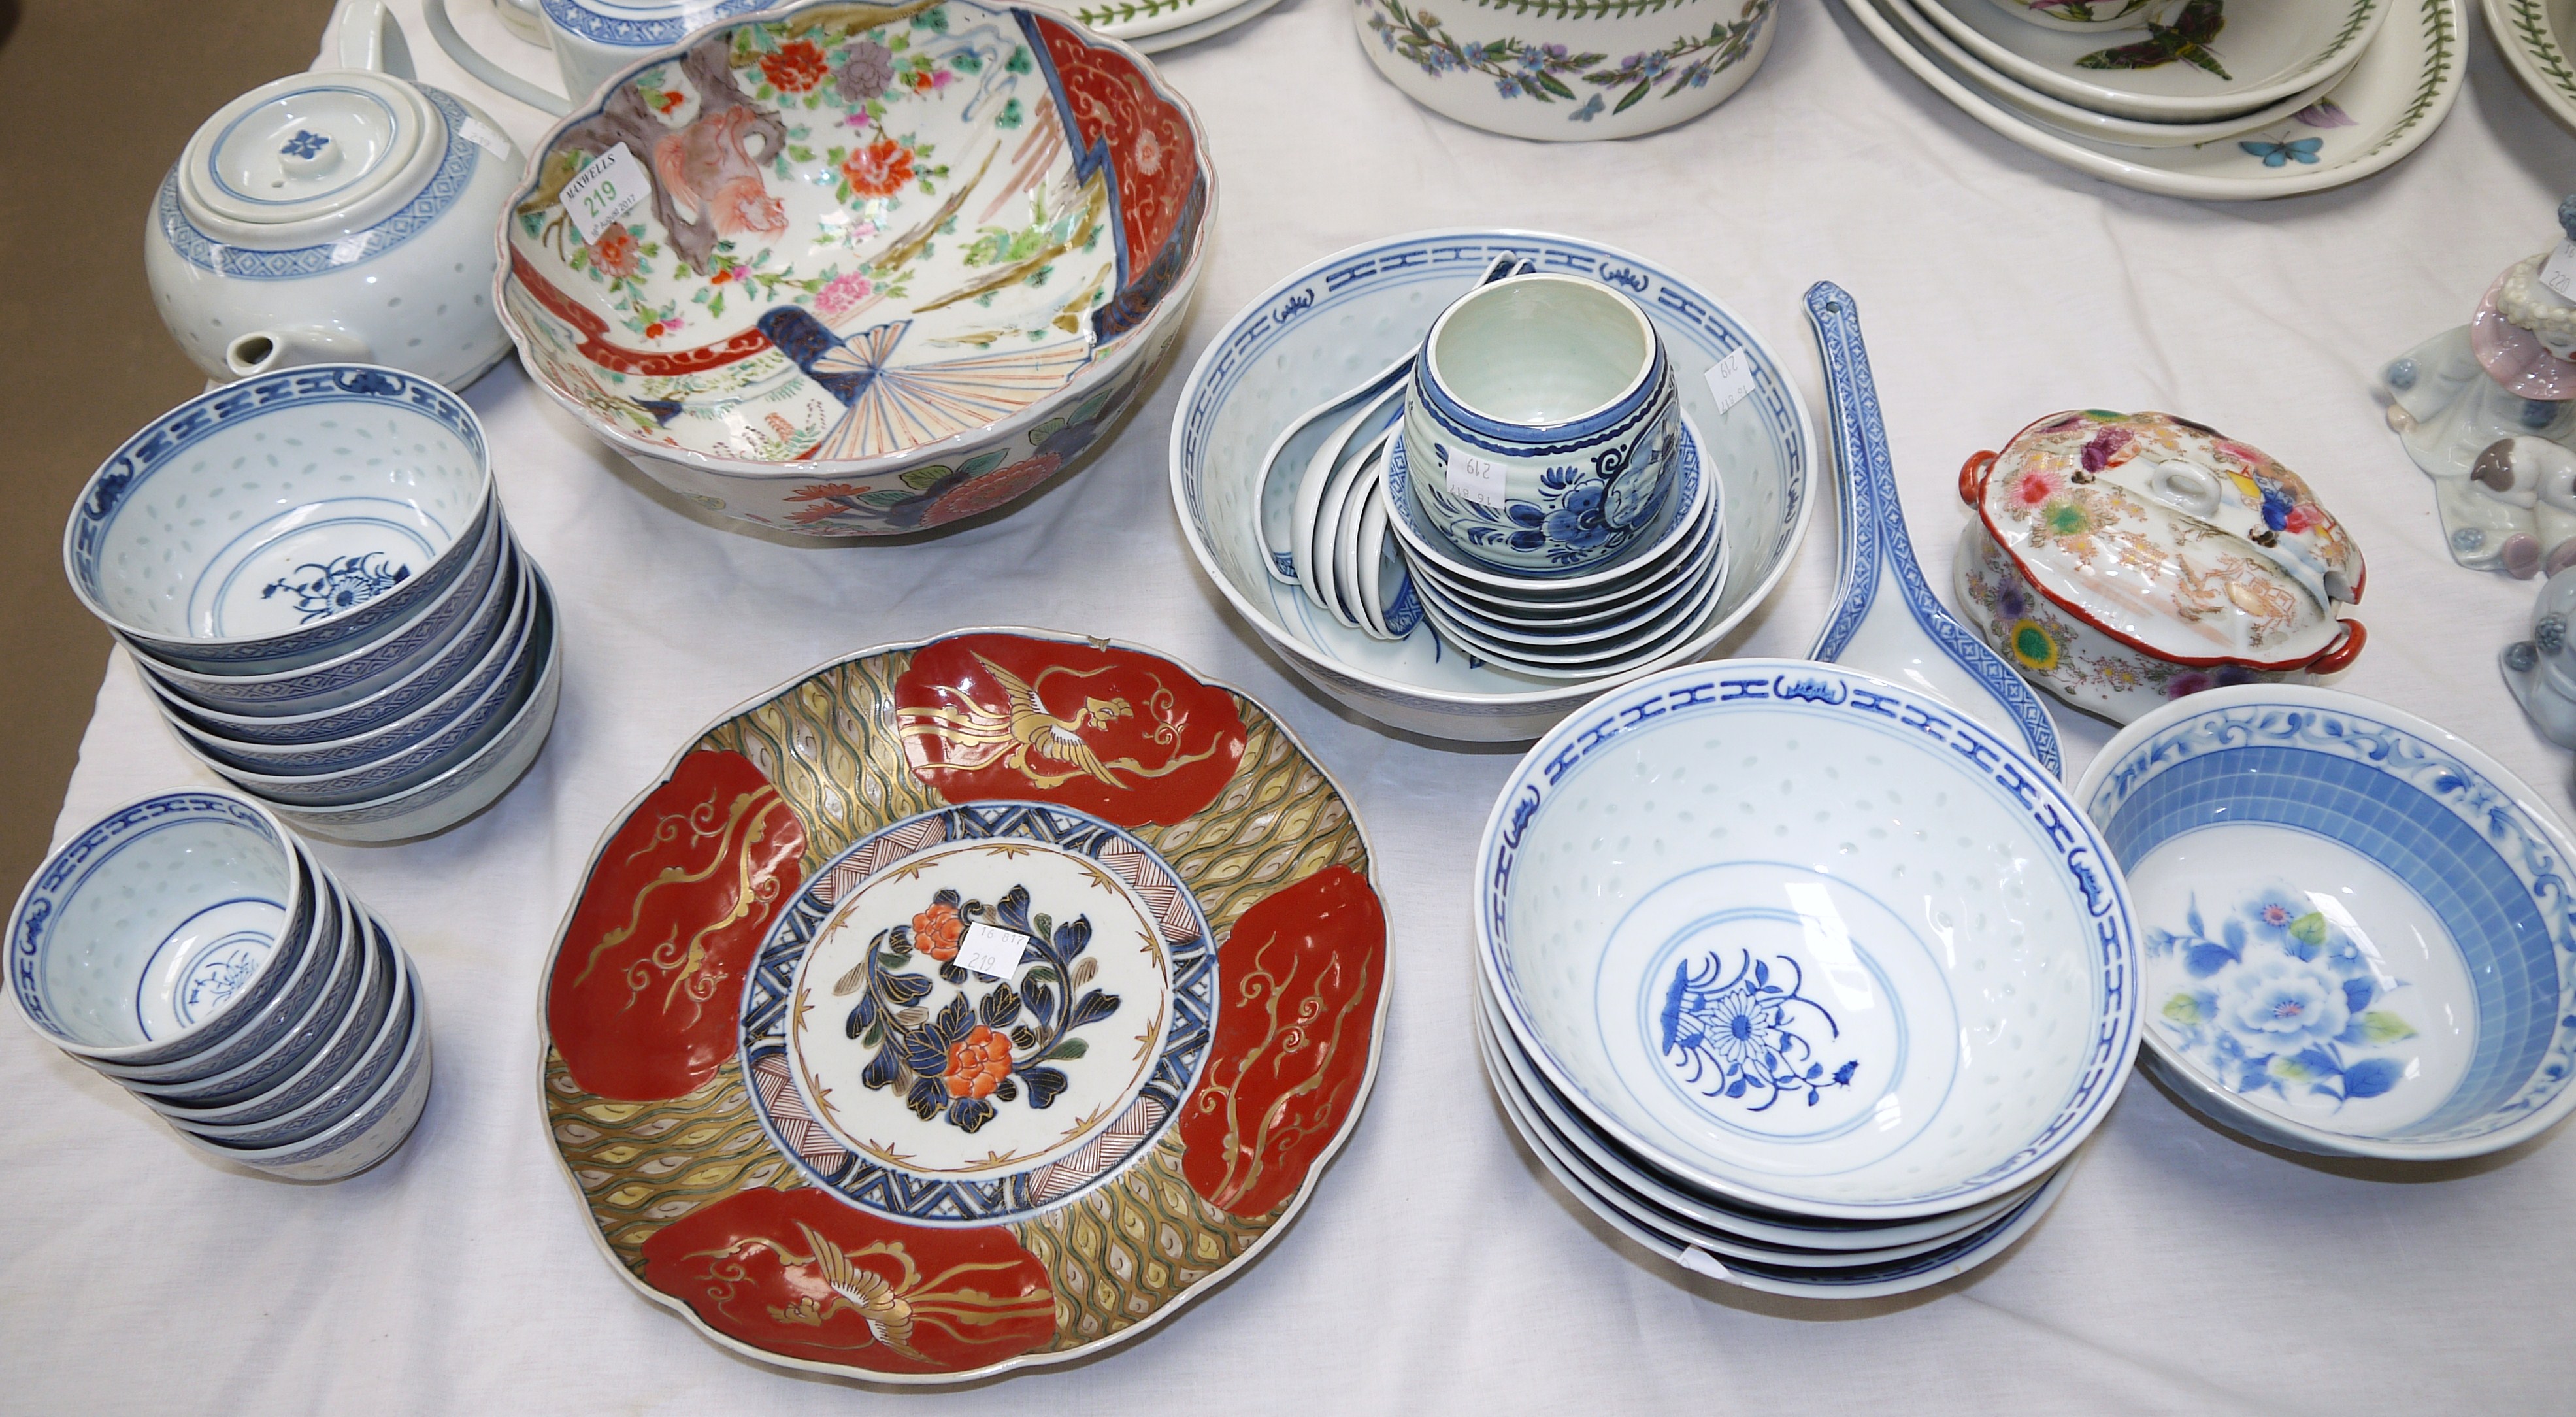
2358,933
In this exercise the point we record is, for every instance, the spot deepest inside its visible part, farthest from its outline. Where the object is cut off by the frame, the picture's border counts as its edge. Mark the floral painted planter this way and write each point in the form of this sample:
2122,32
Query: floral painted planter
877,269
1567,70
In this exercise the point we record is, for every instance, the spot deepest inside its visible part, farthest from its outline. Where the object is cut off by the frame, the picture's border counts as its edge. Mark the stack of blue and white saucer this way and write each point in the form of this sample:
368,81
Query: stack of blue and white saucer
313,572
187,946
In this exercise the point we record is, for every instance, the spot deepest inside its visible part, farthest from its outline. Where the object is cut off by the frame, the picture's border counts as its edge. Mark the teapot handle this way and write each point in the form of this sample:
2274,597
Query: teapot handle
443,29
1972,477
2339,656
372,38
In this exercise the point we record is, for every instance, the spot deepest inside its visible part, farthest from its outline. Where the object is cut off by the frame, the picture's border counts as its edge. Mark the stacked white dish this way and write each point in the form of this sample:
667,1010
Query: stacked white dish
2218,99
313,573
1800,979
187,946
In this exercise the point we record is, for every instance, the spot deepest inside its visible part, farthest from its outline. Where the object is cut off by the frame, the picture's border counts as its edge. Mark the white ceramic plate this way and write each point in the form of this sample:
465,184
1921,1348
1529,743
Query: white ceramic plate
2270,49
2534,35
2399,92
1325,328
2077,121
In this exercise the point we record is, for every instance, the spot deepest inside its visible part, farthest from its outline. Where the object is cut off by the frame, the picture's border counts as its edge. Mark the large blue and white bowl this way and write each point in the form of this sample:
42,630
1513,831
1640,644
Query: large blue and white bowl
1809,942
283,520
1328,327
2359,933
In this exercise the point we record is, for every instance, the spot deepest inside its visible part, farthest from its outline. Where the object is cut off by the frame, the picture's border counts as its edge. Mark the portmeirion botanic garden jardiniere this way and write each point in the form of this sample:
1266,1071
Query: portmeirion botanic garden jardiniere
1542,424
2121,560
342,215
1034,980
866,270
1567,72
2357,932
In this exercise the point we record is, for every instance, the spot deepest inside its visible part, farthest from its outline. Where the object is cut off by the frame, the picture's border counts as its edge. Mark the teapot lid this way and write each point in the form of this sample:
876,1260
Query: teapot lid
2172,538
310,155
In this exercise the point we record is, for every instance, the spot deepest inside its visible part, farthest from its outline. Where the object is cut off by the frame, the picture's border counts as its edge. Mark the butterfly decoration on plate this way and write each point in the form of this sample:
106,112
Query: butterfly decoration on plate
2186,39
2281,154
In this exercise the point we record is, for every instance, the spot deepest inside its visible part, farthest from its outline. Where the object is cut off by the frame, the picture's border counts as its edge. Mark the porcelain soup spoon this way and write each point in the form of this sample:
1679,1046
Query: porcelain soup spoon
1885,619
1296,446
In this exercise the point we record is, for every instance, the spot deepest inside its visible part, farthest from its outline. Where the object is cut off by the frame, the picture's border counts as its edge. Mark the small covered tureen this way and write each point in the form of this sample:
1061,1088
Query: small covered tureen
339,215
2123,560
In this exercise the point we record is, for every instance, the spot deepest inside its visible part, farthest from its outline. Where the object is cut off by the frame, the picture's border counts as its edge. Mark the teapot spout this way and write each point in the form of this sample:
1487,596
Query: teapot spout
266,351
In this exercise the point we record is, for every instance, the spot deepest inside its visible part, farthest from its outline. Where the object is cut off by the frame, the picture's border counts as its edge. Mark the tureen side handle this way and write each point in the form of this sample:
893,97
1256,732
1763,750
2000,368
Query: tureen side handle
372,38
2338,657
1972,477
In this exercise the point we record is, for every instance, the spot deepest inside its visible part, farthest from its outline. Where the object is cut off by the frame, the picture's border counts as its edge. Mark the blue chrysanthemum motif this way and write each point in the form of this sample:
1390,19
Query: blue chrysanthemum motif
1745,1036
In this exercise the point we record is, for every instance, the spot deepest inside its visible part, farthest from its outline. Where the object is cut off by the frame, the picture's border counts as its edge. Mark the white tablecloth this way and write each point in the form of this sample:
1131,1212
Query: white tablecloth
1437,1268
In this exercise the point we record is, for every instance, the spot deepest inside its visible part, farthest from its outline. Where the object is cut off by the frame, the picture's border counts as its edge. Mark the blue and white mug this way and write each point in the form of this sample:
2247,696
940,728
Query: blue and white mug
1545,418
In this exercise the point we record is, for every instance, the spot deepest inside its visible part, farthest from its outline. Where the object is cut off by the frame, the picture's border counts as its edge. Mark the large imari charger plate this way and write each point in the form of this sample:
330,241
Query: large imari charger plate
794,1115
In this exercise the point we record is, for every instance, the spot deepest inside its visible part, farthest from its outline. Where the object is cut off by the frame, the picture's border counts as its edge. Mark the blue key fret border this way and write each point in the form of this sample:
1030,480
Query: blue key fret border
601,27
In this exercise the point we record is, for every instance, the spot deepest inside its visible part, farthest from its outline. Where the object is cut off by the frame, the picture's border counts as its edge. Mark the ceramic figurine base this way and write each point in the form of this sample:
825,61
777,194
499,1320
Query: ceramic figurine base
2446,411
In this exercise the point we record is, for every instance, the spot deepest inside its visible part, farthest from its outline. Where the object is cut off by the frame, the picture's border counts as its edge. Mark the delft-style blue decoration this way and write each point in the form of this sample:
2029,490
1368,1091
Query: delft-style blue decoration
305,144
2461,842
2283,1002
1876,548
163,441
1745,1033
608,22
1584,512
455,170
325,588
1003,1194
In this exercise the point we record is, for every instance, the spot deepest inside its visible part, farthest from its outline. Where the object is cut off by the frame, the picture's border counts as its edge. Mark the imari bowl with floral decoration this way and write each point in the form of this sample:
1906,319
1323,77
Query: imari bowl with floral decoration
2123,560
1807,941
871,269
2358,929
964,1006
1567,70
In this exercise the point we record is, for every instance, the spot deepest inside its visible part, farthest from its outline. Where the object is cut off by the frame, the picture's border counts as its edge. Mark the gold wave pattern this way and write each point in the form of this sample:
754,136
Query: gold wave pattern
826,732
642,1165
1278,821
1122,1251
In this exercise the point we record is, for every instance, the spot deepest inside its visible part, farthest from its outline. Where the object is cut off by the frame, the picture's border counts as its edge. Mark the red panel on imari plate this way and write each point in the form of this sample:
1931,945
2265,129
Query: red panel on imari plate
642,999
799,1274
1127,737
1301,976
